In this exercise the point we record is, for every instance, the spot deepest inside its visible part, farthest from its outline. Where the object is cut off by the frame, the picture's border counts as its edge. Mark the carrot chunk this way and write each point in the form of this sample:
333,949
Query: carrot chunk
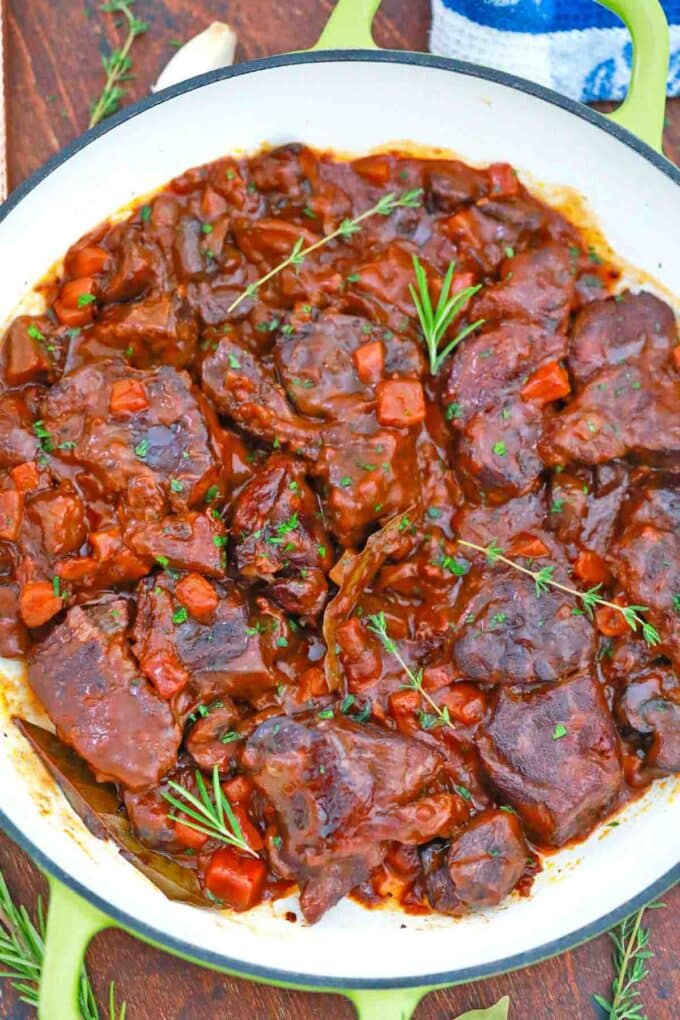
38,603
87,261
128,396
189,837
77,294
235,879
237,789
527,545
401,403
198,596
369,361
72,317
25,476
610,622
591,568
375,169
549,382
503,180
11,506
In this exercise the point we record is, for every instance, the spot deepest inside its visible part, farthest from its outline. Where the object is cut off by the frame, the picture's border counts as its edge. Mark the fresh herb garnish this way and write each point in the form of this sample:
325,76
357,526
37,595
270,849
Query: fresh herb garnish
22,954
180,615
631,952
559,731
212,816
543,579
377,624
298,253
43,436
118,64
434,322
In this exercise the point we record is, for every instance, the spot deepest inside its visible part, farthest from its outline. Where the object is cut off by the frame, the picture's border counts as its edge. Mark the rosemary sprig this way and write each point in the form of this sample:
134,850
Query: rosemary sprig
434,322
22,952
298,253
630,955
377,624
543,579
118,63
212,816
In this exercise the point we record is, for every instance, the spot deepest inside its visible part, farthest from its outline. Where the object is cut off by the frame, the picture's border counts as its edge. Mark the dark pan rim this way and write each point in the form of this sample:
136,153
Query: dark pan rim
176,945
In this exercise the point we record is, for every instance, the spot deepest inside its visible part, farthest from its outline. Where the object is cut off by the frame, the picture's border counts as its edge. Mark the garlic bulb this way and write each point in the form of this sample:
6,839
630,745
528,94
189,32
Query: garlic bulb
208,51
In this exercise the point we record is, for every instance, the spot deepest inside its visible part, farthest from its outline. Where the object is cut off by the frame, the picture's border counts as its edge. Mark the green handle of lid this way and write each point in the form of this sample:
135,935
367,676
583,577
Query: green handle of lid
642,111
393,1004
71,923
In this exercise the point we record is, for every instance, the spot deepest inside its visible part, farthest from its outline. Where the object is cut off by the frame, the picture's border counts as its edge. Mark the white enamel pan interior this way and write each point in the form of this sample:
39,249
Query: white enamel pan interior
351,102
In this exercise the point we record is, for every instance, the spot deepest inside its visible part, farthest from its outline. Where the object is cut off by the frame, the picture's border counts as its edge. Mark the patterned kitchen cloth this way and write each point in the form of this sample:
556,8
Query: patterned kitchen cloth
576,47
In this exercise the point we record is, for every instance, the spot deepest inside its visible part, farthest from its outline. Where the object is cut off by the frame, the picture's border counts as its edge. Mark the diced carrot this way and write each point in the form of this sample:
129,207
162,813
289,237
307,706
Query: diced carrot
11,507
437,676
311,684
77,569
38,603
87,261
527,545
375,169
198,596
549,382
72,317
676,356
610,622
503,180
369,360
238,789
400,403
236,879
461,281
212,203
128,396
25,476
465,702
189,837
404,702
250,833
75,294
591,568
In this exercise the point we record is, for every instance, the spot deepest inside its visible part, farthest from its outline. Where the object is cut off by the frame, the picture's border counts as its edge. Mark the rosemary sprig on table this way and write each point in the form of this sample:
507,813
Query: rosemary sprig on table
22,952
434,322
211,816
543,579
631,952
118,63
377,624
298,253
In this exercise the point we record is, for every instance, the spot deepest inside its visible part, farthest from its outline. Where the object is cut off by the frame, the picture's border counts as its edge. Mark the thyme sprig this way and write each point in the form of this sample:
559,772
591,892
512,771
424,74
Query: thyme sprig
544,579
118,64
630,955
22,953
348,227
434,322
377,624
211,816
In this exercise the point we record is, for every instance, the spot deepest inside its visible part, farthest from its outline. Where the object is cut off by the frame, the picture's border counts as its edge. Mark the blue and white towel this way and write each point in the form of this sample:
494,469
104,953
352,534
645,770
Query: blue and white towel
576,47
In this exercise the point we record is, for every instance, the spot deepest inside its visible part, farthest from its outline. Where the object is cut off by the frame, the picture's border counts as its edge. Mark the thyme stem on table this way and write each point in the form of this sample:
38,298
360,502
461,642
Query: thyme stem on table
631,952
383,207
22,952
543,579
118,63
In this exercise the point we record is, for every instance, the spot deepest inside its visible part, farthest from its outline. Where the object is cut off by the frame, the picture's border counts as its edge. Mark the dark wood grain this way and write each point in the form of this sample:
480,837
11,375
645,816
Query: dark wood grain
54,73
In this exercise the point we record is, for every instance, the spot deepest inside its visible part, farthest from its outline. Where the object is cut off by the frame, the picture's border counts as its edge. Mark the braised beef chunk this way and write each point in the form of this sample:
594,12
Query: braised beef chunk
85,676
628,400
624,329
645,556
487,859
131,428
257,534
340,790
506,634
222,652
280,539
553,754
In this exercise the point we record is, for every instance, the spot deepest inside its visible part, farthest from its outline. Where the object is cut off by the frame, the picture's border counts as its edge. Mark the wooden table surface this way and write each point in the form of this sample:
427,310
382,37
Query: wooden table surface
53,74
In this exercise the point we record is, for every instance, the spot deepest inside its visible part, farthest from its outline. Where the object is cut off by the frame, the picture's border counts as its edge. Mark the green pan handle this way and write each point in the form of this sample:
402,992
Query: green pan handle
349,26
393,1004
642,111
71,923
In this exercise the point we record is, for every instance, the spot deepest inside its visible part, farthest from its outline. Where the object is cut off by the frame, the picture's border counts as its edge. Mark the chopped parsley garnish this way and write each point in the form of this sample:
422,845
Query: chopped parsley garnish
559,731
180,615
500,449
142,448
